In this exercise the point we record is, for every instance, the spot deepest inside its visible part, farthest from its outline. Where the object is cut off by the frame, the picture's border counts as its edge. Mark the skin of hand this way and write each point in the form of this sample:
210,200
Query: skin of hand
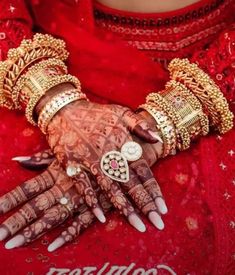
82,132
42,195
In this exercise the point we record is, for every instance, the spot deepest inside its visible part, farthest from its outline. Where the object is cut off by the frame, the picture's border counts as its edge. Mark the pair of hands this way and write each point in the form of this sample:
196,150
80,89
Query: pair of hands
80,134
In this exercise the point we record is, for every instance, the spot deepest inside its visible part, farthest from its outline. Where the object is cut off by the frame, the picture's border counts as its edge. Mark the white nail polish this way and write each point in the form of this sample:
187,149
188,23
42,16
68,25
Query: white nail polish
137,222
56,244
155,135
15,242
156,220
3,234
20,159
161,205
99,215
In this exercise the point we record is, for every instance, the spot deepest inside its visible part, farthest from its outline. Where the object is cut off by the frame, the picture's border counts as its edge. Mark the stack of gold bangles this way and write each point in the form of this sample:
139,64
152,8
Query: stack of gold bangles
191,102
31,70
183,111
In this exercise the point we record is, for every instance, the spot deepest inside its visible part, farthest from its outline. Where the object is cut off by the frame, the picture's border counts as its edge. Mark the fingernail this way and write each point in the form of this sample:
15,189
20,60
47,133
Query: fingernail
56,244
137,222
99,214
155,135
15,242
156,220
161,205
3,234
173,152
21,159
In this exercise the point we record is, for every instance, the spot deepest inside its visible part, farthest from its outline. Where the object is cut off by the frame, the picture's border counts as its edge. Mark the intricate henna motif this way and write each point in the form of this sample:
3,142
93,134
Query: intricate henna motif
82,132
25,191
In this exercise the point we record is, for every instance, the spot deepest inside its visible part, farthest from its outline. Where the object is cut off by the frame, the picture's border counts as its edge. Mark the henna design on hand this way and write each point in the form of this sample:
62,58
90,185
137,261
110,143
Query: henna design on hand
83,132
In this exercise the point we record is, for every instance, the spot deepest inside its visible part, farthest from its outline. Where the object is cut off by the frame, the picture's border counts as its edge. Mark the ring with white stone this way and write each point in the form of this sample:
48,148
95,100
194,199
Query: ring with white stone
66,203
73,170
132,151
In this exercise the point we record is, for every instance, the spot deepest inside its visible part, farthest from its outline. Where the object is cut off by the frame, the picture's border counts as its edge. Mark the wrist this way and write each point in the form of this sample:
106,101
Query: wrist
49,95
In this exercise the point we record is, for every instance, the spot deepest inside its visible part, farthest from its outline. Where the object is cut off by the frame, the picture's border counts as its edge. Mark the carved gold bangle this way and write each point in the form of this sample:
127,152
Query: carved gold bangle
43,70
183,136
165,126
56,104
188,107
40,89
30,51
212,99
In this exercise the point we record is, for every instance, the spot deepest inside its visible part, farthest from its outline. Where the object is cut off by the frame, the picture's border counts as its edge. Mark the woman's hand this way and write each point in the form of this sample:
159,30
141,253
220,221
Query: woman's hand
50,199
82,217
82,132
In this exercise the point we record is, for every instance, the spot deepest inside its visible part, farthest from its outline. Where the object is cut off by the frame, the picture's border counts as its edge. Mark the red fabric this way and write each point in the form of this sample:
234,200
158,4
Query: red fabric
198,184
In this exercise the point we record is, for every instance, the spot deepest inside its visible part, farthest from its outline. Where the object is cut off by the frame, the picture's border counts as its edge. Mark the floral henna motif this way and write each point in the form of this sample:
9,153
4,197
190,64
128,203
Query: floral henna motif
25,191
82,132
146,176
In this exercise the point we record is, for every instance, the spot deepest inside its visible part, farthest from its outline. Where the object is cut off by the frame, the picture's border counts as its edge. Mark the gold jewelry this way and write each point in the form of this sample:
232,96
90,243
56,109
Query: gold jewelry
56,104
165,126
183,137
206,90
30,51
43,70
39,91
188,107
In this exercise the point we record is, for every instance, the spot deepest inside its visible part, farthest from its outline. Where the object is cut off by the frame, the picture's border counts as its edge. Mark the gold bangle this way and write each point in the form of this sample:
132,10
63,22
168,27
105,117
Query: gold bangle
47,85
55,104
45,69
188,107
206,90
165,126
30,51
183,136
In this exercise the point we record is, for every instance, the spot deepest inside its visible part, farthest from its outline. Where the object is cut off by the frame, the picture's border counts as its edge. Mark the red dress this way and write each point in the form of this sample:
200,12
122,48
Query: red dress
198,184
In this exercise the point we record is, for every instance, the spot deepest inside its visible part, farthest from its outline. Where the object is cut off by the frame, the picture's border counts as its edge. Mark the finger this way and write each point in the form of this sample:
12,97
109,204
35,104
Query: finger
143,199
26,191
85,188
80,222
140,127
119,200
52,218
40,160
29,212
150,184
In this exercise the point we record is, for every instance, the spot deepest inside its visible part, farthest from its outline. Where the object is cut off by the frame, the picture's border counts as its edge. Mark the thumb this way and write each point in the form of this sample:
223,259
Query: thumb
139,126
37,161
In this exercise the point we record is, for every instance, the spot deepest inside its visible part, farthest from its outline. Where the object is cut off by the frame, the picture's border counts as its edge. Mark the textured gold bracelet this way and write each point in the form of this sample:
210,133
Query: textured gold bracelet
188,107
183,137
212,99
55,104
30,51
38,92
164,125
44,69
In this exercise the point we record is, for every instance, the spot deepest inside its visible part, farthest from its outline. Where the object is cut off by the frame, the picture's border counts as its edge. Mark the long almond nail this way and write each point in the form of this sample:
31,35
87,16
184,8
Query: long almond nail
99,214
155,135
21,159
3,234
161,205
156,220
135,221
17,241
57,243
